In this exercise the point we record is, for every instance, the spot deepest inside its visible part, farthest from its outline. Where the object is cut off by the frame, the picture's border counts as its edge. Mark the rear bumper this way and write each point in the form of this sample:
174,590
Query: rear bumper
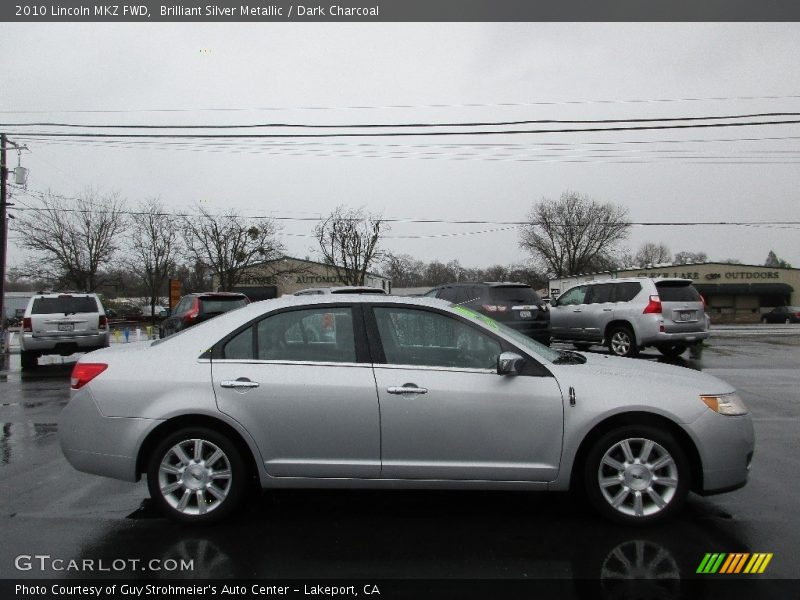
537,330
101,445
52,344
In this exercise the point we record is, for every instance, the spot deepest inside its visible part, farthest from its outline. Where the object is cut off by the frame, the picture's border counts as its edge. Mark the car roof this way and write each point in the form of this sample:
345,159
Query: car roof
636,279
486,283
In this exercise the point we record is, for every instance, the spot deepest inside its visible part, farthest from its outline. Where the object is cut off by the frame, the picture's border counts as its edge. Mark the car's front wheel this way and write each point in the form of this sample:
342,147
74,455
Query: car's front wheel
196,475
636,475
622,341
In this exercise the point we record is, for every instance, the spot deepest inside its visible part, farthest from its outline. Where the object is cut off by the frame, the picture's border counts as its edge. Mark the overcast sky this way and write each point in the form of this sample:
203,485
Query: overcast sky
137,68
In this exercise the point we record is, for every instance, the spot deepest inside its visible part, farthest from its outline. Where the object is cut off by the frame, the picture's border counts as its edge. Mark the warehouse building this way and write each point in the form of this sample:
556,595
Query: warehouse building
287,275
734,293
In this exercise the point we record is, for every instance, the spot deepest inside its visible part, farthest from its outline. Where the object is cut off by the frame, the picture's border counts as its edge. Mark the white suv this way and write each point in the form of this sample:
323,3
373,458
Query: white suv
628,314
62,323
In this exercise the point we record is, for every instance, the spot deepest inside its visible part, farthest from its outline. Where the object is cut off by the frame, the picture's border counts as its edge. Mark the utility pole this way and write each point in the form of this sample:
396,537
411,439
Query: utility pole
3,239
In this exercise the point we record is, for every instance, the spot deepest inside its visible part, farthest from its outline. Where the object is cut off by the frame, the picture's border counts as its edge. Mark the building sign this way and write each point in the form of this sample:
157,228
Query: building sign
318,279
730,275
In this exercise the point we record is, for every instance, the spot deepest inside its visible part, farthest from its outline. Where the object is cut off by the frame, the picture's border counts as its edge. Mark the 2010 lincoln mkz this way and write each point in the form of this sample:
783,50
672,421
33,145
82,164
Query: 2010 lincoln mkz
390,392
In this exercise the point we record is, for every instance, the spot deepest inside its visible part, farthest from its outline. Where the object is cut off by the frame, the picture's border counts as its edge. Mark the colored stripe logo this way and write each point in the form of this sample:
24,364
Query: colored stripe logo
734,563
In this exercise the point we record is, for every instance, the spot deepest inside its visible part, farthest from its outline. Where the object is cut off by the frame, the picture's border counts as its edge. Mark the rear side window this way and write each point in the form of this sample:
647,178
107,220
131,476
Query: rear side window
627,291
676,291
64,304
600,293
220,305
514,295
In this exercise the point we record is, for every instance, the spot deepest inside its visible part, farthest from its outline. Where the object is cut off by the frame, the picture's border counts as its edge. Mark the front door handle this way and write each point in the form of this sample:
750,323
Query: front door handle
577,310
408,388
607,309
242,382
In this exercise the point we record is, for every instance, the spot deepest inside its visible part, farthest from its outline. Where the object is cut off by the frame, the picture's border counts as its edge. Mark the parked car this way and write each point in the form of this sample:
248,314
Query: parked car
405,393
628,314
62,323
196,308
516,305
782,314
347,289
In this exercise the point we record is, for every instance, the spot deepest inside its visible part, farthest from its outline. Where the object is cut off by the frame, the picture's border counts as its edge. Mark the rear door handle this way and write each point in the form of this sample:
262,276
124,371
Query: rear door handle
240,383
577,310
408,388
607,309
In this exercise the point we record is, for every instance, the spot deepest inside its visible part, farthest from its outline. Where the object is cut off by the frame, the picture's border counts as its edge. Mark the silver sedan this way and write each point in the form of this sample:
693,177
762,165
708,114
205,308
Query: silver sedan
389,392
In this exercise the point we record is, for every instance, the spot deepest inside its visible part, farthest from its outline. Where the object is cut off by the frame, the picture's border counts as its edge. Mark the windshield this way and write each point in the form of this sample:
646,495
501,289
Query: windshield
529,345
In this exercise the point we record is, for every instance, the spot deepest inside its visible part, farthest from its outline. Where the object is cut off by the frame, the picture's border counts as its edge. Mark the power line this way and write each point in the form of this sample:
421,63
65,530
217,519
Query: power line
424,221
402,125
413,106
400,133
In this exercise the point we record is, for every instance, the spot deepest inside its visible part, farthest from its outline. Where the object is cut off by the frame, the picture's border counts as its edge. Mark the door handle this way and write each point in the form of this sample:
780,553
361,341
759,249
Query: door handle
607,309
408,388
240,383
577,310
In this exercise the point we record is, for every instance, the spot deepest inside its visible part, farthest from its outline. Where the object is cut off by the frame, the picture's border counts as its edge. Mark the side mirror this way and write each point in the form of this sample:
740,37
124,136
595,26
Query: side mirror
509,363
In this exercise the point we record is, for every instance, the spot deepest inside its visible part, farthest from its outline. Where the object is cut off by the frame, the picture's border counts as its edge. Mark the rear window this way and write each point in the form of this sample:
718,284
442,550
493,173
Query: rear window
514,294
64,304
220,304
677,291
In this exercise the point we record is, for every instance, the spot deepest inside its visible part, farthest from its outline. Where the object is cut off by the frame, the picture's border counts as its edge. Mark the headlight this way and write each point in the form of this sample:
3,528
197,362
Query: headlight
725,404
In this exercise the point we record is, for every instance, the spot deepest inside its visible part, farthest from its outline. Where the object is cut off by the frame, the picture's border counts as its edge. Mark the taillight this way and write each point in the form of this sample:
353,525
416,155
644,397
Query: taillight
193,312
653,306
103,322
703,300
27,325
83,373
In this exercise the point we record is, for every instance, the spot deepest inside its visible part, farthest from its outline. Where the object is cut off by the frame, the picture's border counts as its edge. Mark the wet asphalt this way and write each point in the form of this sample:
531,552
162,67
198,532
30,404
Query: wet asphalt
46,507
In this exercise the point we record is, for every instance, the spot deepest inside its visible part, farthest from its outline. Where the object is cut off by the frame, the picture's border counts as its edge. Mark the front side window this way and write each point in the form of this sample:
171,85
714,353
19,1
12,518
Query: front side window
424,338
572,296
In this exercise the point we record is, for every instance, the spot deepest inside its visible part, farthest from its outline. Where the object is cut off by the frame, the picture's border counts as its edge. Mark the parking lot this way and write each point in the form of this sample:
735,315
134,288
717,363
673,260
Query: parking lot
47,507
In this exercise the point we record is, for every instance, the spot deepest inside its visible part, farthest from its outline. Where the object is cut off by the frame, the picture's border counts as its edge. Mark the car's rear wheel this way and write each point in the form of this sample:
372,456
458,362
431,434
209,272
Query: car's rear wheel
29,360
196,475
672,350
622,341
636,475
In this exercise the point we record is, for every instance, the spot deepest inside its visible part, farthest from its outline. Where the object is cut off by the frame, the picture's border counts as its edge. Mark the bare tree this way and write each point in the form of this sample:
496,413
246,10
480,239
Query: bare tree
72,240
154,239
774,261
567,236
652,254
404,270
686,258
228,244
348,239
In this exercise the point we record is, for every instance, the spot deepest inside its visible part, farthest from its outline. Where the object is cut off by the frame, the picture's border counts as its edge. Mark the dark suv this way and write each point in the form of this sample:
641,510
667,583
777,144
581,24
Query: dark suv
196,308
513,304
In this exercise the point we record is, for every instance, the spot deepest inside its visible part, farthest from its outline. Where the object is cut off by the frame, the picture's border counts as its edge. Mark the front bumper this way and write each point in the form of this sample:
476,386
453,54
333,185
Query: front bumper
101,445
726,445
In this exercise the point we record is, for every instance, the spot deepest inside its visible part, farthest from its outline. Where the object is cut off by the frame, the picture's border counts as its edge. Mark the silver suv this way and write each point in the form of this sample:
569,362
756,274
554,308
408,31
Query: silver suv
62,323
631,313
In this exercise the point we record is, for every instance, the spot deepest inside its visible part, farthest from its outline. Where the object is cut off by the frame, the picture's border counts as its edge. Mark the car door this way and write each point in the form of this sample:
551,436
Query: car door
597,311
304,389
445,412
566,313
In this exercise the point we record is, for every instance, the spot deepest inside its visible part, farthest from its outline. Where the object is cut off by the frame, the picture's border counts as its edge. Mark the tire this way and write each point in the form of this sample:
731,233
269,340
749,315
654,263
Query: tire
672,350
29,360
622,341
582,347
636,475
211,490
